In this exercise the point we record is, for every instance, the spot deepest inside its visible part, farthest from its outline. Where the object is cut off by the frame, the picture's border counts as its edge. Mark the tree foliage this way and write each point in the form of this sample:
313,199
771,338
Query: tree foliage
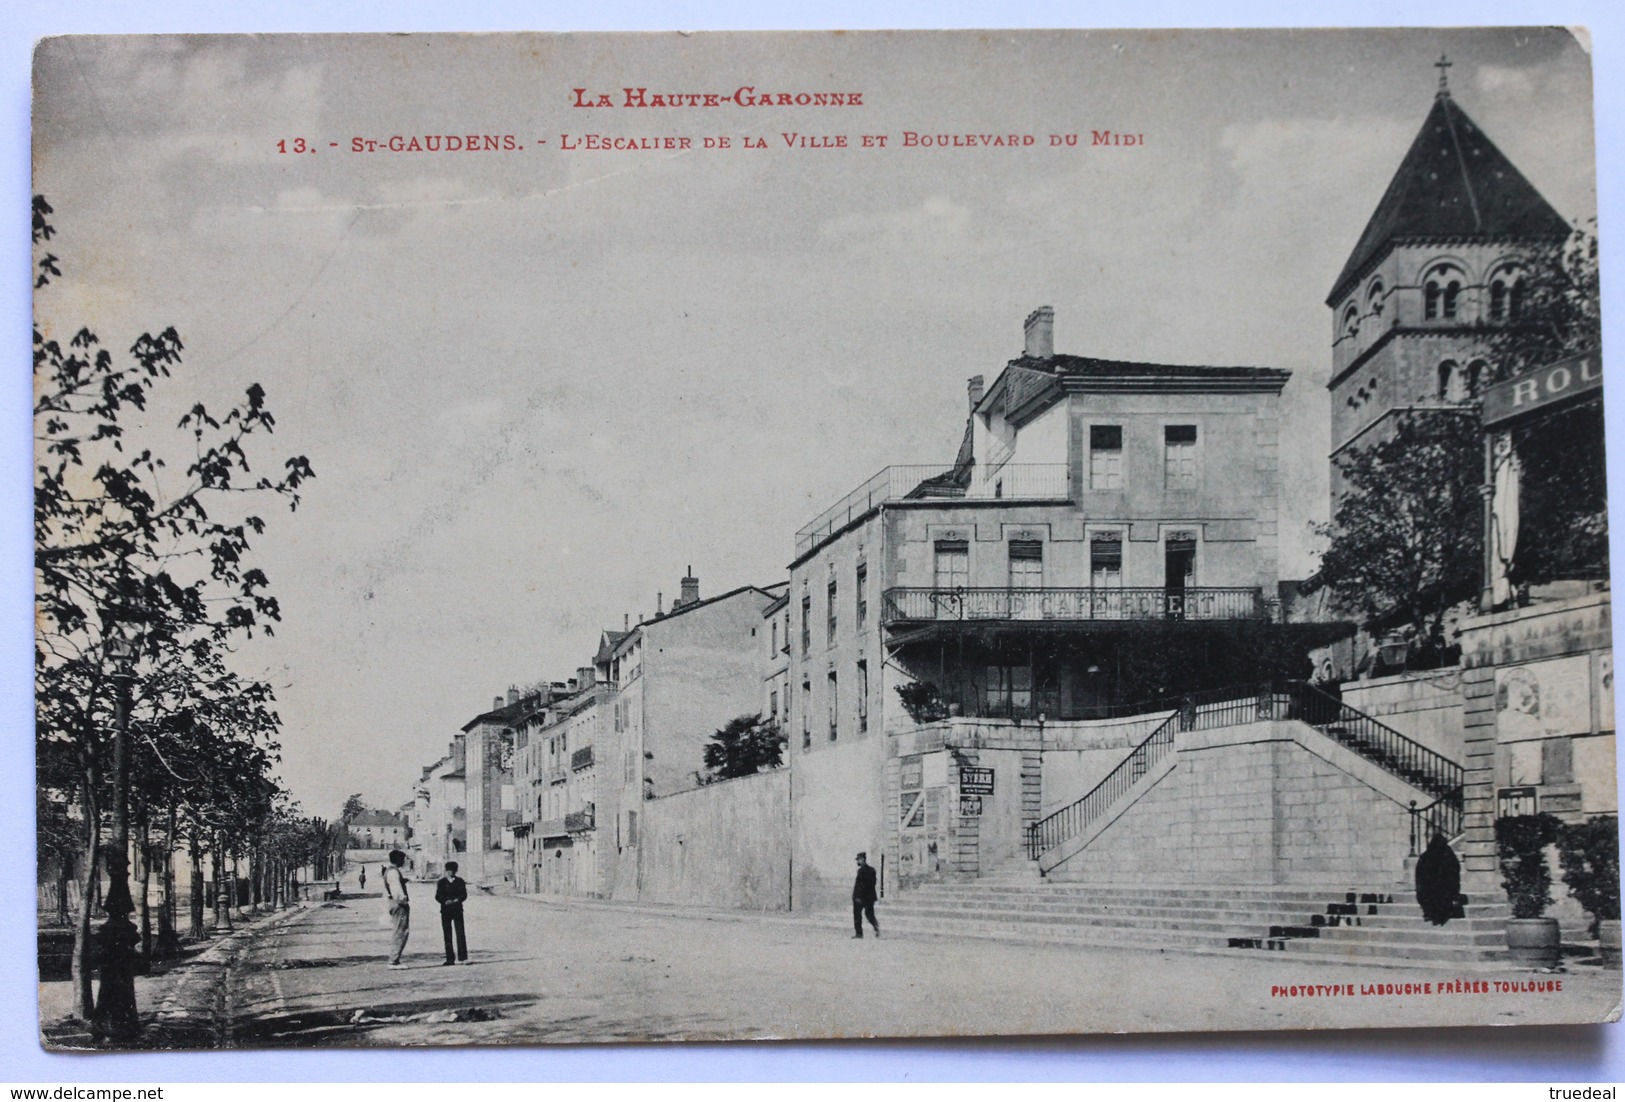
1560,311
121,530
744,745
1406,542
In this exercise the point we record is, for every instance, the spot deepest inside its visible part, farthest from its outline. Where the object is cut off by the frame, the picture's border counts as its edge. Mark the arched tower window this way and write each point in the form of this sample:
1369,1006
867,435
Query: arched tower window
1351,321
1449,381
1441,293
1475,378
1506,295
1373,299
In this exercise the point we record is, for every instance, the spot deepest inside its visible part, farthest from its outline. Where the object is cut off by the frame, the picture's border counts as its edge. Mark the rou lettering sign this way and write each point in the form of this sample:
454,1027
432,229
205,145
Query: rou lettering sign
1564,380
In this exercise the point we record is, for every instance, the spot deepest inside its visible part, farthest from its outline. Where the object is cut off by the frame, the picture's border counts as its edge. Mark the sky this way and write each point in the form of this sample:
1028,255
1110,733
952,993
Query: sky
537,386
969,320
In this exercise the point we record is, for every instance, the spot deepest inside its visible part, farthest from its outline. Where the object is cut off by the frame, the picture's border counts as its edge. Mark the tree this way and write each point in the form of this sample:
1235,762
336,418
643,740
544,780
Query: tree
1559,305
1407,538
117,530
744,745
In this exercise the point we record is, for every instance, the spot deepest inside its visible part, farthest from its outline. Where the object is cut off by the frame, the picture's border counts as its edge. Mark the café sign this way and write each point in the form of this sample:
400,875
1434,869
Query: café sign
1566,379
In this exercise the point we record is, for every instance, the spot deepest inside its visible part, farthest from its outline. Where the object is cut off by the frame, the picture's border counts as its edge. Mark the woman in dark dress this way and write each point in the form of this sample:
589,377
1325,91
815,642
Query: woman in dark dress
1438,881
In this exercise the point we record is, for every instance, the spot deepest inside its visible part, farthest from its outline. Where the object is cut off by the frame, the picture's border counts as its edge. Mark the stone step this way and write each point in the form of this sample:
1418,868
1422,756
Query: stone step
1129,901
1134,912
1224,926
1013,919
1310,950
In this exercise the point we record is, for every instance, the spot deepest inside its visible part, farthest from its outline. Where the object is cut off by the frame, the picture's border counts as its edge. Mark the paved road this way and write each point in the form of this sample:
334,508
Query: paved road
554,972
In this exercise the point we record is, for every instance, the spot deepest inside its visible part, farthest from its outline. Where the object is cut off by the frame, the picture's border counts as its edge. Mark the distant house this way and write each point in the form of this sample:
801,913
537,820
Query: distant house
378,830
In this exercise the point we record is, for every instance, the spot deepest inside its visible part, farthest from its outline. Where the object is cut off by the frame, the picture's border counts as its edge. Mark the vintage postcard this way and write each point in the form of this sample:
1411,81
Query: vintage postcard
551,538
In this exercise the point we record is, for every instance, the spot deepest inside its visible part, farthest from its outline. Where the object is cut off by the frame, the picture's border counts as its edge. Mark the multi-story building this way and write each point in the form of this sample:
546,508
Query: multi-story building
439,823
1106,537
556,849
673,681
491,810
776,672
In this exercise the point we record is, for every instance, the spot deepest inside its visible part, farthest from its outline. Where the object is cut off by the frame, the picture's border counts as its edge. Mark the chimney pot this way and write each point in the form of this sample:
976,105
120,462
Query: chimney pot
513,694
496,704
1039,331
691,591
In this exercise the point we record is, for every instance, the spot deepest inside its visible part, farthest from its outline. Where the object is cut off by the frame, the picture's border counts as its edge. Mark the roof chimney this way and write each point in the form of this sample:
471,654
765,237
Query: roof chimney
572,683
586,676
496,704
691,591
1040,334
975,389
513,695
626,621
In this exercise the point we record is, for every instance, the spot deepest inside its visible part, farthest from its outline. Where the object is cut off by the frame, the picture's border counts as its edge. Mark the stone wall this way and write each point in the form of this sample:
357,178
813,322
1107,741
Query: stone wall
1262,803
724,845
1425,707
838,806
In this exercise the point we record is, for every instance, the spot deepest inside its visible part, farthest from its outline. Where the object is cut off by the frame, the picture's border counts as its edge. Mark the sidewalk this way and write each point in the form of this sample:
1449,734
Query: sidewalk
181,1001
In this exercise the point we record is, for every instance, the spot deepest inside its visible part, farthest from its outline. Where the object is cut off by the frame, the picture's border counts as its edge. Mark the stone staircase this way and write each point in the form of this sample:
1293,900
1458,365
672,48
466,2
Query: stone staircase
1310,924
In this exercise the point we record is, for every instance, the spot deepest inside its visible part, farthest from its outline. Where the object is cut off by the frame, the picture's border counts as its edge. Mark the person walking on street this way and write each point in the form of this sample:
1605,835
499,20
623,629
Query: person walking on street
400,905
450,893
363,878
863,897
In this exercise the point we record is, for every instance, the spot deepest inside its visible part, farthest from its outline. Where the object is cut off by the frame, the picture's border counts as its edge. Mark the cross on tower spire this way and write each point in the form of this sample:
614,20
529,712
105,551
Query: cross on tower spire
1443,64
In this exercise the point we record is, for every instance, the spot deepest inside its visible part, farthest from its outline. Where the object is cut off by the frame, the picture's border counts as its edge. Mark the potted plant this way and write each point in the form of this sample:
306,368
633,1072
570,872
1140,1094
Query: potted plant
922,702
1589,853
1521,841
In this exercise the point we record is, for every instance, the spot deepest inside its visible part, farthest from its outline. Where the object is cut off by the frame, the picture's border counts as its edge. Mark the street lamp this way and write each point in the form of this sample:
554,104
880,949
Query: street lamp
115,1015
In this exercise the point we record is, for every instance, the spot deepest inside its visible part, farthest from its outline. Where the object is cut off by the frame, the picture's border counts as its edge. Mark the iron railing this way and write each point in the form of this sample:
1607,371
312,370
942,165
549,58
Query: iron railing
1442,816
1379,744
906,603
1071,820
581,759
917,482
577,821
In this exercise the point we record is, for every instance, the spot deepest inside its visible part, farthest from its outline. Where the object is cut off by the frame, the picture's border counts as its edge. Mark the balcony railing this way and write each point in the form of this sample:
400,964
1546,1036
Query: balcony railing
577,821
581,759
1014,481
1206,603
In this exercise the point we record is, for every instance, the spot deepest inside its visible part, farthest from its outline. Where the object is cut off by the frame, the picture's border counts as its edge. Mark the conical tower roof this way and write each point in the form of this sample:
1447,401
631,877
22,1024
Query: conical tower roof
1454,183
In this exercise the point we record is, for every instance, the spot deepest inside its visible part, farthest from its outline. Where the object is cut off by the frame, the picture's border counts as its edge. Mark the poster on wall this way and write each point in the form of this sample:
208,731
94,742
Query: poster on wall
473,437
1540,700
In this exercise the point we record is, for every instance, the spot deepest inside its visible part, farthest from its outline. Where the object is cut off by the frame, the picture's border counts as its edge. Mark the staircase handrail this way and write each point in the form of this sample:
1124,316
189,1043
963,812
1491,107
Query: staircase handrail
1063,823
1442,816
1377,742
1371,739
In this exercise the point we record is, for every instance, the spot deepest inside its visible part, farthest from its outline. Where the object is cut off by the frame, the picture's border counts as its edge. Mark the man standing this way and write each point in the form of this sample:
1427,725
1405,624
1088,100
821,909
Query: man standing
863,898
450,893
400,906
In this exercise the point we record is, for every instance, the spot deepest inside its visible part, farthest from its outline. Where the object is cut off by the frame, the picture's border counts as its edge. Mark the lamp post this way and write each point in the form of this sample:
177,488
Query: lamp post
115,1015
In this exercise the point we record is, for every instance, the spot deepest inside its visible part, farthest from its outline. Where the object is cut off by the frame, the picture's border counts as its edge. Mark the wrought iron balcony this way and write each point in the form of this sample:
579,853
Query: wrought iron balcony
581,759
1013,481
908,604
577,821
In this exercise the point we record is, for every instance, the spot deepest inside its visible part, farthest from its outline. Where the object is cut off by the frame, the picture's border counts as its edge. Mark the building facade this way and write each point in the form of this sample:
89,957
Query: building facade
1106,538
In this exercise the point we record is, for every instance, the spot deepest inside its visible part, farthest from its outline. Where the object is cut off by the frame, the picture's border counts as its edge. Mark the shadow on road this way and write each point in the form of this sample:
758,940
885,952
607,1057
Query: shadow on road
350,1025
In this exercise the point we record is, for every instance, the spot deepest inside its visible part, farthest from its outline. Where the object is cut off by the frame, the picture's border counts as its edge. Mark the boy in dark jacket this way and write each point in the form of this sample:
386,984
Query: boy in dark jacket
450,893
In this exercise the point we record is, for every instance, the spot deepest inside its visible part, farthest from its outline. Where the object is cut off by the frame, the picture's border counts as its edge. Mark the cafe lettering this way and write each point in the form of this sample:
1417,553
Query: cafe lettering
1551,385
